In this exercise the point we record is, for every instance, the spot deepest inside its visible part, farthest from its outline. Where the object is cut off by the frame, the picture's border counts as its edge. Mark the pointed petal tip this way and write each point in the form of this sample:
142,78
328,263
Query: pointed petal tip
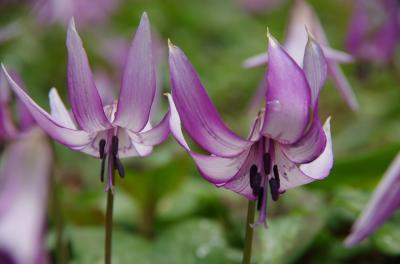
144,20
71,24
171,46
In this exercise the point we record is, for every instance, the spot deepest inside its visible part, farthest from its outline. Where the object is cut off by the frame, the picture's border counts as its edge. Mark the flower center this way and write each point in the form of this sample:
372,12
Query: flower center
111,155
256,181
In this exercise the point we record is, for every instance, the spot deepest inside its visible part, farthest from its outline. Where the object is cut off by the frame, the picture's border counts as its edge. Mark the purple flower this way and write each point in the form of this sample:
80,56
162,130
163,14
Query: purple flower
374,30
302,17
109,132
283,150
24,176
85,12
384,202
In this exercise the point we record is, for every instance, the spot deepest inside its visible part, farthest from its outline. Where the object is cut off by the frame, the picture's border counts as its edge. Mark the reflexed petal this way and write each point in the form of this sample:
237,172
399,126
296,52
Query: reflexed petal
199,116
293,175
343,85
337,55
384,202
25,170
153,136
256,60
315,68
175,124
288,97
83,95
138,81
58,110
214,169
69,137
321,167
309,147
290,174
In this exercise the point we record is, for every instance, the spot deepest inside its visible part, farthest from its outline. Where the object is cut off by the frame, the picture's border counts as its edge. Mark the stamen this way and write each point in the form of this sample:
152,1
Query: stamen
260,198
103,164
253,173
102,145
115,145
267,163
120,168
276,175
273,185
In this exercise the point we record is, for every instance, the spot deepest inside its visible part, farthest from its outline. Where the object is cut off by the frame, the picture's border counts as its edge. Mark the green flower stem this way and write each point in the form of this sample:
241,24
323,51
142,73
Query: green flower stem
248,243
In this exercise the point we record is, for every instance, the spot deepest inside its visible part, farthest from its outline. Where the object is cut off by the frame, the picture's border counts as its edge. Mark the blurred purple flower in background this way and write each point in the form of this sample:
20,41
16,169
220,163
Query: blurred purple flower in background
8,129
84,12
24,182
24,177
374,30
384,202
284,149
302,17
118,130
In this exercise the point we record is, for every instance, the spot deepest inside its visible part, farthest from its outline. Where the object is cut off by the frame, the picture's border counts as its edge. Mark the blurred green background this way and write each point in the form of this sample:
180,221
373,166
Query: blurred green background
164,211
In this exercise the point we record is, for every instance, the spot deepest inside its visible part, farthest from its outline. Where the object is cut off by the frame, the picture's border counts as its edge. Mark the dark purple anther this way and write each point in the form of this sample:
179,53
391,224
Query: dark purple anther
253,173
260,198
273,185
276,175
103,164
102,145
120,168
267,163
114,146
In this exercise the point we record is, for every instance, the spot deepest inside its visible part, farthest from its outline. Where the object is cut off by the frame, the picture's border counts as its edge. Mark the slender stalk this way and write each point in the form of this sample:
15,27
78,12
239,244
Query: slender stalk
109,225
248,243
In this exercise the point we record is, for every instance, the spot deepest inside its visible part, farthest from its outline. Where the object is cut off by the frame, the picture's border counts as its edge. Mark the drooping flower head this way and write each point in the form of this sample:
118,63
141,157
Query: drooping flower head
304,18
287,145
384,202
109,132
374,30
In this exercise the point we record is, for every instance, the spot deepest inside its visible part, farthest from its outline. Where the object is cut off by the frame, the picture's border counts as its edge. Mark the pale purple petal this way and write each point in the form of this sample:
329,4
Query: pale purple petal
153,136
26,163
138,81
58,110
302,16
315,69
214,169
384,202
293,174
321,167
256,60
288,97
83,95
199,116
337,55
66,136
342,84
309,147
240,182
